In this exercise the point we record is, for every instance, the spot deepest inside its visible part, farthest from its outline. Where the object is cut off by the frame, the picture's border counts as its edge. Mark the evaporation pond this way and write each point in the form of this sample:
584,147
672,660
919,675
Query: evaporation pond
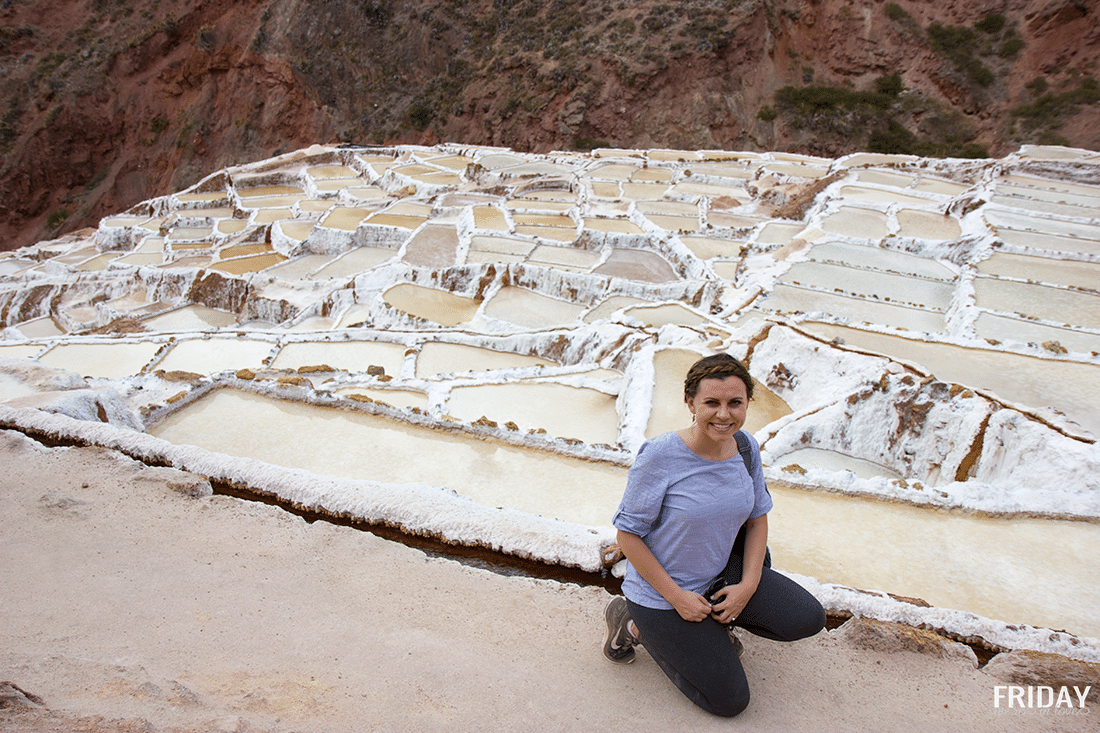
1070,386
357,445
1020,570
349,356
437,358
191,317
105,360
884,286
208,356
561,410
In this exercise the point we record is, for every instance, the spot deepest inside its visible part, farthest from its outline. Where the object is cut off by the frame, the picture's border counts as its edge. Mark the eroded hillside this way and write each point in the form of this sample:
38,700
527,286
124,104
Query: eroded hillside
106,101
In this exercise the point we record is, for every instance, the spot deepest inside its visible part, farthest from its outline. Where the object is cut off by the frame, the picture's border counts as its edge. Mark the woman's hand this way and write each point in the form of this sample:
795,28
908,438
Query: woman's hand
691,606
730,601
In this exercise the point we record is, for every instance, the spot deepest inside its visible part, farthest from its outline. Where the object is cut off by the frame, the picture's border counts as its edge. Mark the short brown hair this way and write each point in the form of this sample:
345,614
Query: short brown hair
718,366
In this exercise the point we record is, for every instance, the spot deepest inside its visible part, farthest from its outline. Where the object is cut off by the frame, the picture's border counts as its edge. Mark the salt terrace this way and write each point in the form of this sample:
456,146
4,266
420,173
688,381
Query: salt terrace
470,343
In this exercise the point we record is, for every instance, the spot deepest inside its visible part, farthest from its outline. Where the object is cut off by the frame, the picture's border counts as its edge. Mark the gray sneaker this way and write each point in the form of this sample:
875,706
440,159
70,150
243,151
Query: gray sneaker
618,645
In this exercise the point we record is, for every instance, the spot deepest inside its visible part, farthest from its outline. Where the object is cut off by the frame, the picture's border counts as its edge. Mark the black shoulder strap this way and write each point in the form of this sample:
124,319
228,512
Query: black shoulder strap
745,449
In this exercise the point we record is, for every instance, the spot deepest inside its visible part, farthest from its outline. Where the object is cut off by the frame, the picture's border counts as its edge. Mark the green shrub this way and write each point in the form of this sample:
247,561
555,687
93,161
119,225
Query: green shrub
991,23
1037,86
377,12
979,72
420,114
56,218
1047,137
970,150
896,12
889,84
767,113
894,140
589,143
808,100
1050,109
954,41
957,43
1011,47
158,124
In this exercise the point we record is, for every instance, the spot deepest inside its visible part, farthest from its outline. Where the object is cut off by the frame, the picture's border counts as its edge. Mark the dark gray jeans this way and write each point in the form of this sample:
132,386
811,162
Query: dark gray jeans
700,658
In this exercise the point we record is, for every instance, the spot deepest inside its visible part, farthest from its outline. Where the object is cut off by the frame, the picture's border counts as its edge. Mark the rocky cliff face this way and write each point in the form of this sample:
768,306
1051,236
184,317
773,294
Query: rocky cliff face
106,101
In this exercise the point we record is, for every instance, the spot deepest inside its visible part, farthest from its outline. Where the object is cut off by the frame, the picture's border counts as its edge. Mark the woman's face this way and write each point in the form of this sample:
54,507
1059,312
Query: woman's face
720,407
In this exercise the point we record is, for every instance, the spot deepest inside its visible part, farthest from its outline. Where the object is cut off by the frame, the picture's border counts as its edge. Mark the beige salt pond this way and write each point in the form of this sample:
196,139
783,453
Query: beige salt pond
561,410
1035,571
776,232
331,171
348,356
1048,242
833,461
301,267
879,195
192,317
296,229
639,265
1057,305
490,217
139,260
706,248
403,398
96,264
927,225
1018,570
104,360
20,351
854,222
643,191
502,245
441,306
433,245
437,357
346,218
665,314
883,260
912,291
528,309
793,299
612,226
1072,387
567,258
608,307
209,356
1044,270
355,262
352,444
1007,328
39,328
1022,221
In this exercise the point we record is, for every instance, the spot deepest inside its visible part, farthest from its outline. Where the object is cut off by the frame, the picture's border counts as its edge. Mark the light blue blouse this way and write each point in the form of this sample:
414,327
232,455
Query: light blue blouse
688,511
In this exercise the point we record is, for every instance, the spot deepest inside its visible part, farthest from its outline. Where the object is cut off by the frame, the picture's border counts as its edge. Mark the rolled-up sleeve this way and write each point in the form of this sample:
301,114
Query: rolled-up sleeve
646,485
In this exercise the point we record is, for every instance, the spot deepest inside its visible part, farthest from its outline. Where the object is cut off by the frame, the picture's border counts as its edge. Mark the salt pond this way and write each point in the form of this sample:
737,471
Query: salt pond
345,443
1041,570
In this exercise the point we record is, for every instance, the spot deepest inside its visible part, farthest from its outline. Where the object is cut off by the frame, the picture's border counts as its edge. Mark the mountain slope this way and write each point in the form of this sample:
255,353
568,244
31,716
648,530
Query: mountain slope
105,101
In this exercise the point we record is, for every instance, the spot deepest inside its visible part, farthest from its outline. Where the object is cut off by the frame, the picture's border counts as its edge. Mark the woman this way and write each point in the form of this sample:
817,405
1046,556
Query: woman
687,496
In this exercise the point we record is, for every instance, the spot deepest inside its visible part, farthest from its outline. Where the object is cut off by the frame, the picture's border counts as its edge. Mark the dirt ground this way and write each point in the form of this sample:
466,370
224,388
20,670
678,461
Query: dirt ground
128,605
